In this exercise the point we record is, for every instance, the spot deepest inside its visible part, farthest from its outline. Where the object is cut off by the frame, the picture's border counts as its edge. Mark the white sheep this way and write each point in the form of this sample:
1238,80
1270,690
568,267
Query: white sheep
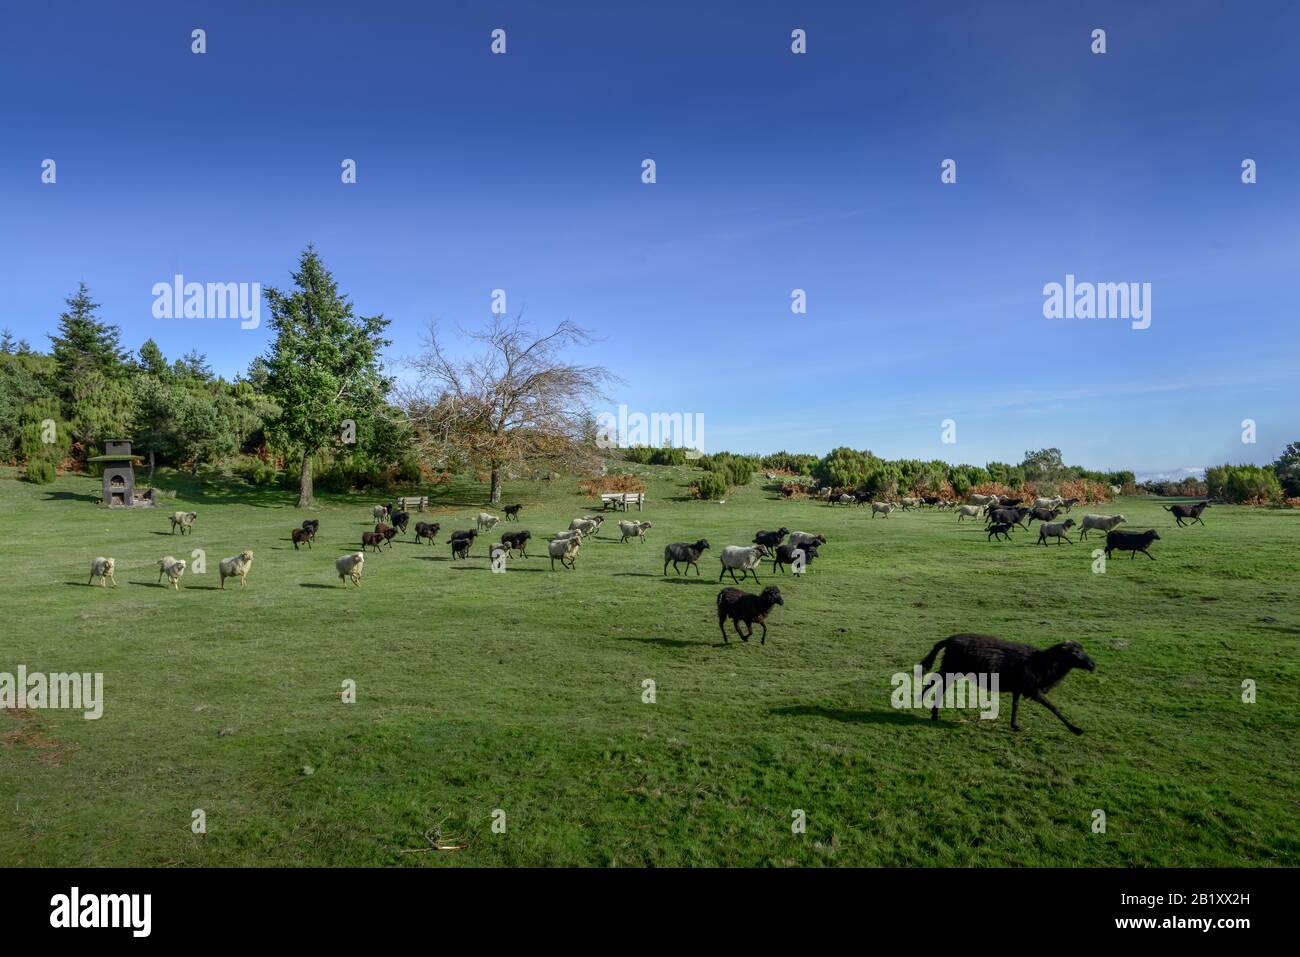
102,568
485,521
1103,523
349,567
799,539
983,499
587,526
173,568
633,530
184,521
565,549
236,567
380,512
741,557
969,511
1052,502
883,508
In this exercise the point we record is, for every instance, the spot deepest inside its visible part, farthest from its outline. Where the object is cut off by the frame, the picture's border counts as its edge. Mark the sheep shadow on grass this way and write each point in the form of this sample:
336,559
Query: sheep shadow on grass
71,497
899,717
668,642
488,568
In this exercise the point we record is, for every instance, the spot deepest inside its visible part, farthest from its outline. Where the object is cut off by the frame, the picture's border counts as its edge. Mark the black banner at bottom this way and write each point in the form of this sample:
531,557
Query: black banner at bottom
320,905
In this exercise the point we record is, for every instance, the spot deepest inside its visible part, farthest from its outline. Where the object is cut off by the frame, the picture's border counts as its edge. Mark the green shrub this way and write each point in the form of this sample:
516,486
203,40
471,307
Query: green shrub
798,463
408,471
711,485
40,471
256,472
734,469
1243,484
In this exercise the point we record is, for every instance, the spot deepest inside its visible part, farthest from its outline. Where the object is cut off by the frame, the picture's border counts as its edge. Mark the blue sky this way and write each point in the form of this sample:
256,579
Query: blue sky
775,172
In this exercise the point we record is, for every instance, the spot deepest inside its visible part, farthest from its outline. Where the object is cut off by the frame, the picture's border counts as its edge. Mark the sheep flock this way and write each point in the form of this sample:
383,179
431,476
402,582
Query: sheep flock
1025,669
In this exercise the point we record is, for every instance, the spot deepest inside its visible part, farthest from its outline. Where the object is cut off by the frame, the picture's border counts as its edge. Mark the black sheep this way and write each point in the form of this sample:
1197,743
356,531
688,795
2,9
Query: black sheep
519,540
771,539
1021,669
426,530
372,538
683,552
1000,528
1193,512
751,609
512,512
300,535
1012,516
461,542
400,520
311,524
1043,514
1009,502
1132,542
785,556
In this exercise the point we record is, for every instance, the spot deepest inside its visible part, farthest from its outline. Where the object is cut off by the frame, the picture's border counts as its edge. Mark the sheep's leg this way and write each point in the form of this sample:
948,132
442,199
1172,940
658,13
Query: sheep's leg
1015,710
763,625
1042,699
1146,553
736,622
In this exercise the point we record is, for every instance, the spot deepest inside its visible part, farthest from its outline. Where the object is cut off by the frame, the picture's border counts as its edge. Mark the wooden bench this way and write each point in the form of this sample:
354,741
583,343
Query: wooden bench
408,502
622,500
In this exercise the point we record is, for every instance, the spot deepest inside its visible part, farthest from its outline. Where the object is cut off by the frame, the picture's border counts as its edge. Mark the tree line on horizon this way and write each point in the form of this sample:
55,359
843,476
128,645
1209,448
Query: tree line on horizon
318,410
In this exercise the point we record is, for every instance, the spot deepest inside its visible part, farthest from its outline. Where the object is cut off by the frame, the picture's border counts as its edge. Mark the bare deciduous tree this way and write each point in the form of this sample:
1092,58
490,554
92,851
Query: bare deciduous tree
513,404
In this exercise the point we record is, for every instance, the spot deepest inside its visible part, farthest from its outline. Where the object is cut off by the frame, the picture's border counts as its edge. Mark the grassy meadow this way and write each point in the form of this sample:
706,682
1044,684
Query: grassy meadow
523,691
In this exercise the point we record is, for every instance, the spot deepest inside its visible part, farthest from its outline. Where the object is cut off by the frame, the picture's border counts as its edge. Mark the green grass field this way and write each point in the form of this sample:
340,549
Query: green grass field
523,692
